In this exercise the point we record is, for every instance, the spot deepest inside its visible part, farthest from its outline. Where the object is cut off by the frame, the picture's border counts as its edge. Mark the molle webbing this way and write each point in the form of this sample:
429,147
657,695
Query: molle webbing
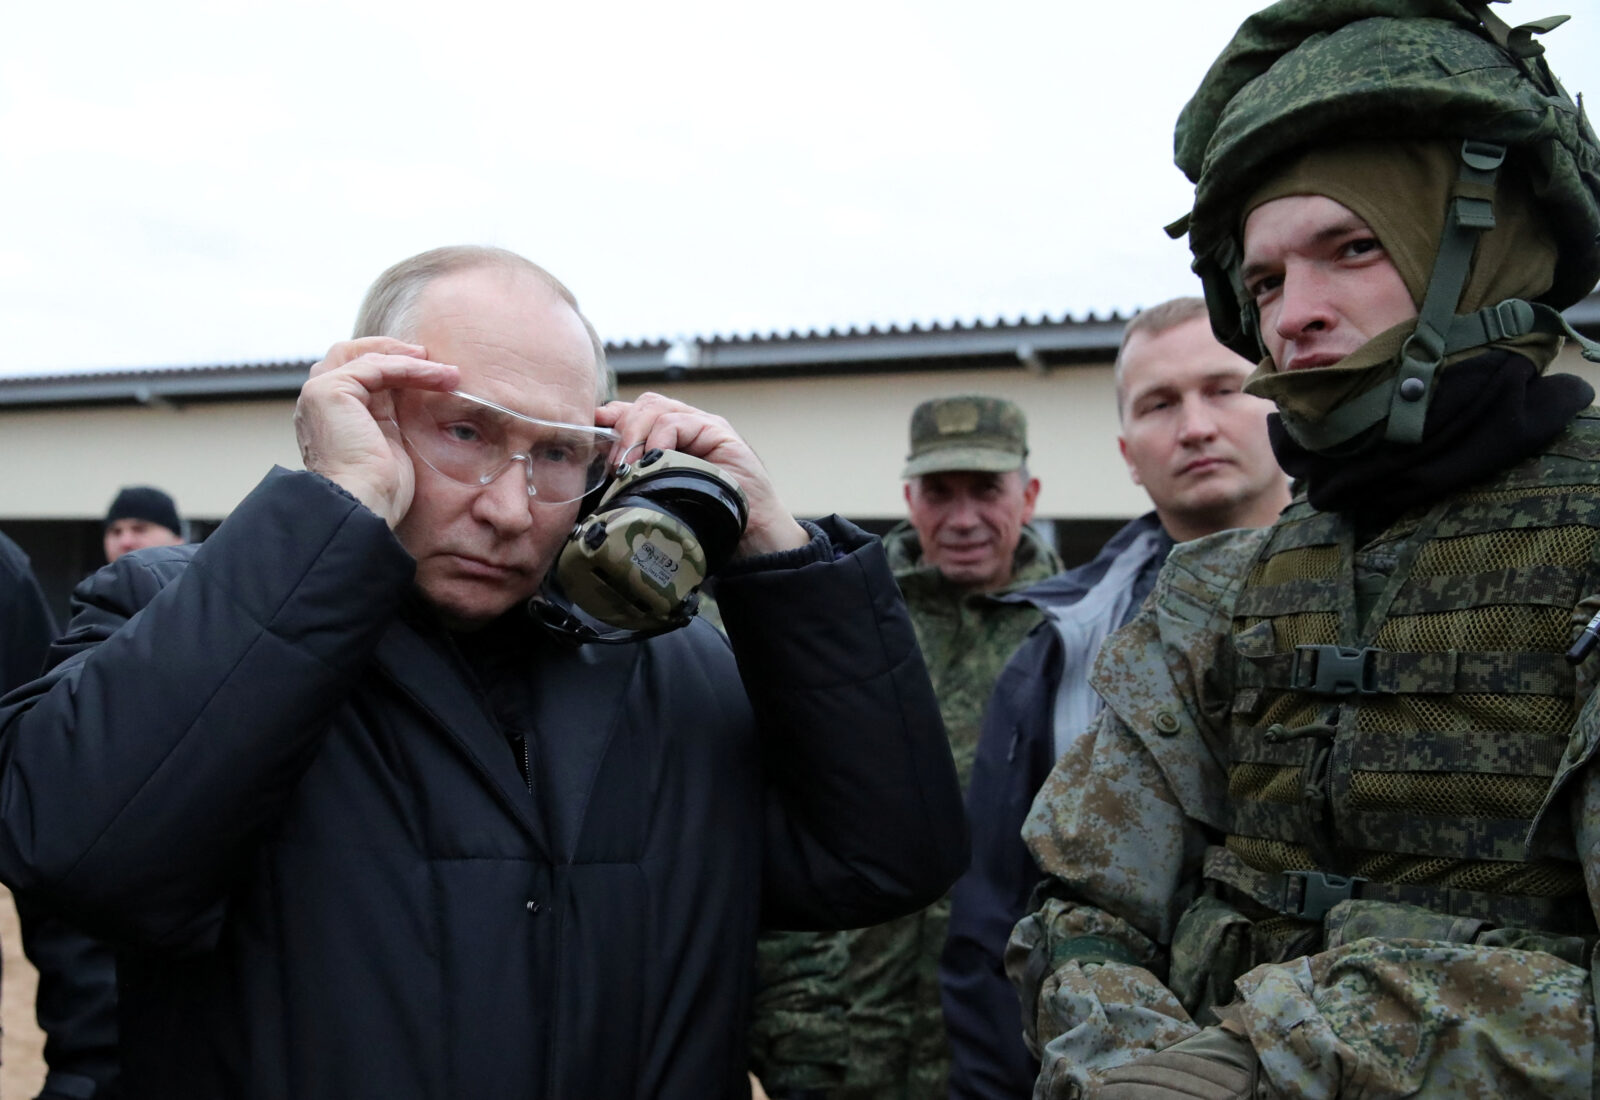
1414,749
1548,897
1333,670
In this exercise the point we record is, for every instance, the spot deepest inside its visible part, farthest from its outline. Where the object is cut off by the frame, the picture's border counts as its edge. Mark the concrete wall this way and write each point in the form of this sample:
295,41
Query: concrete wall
838,444
833,444
69,463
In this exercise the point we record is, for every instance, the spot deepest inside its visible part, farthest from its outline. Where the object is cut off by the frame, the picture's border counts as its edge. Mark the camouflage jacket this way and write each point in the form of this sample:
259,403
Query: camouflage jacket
893,1034
1129,817
967,637
798,1037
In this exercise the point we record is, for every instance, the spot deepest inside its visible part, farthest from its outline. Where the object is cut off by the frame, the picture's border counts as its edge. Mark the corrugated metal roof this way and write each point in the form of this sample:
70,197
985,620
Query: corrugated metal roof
1035,344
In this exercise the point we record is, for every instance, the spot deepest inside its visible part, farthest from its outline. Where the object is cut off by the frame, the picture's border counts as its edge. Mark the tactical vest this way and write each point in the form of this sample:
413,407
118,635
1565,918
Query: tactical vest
1400,709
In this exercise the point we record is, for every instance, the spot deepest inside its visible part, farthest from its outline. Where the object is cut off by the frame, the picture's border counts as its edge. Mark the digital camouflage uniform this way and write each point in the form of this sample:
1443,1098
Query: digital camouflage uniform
893,1022
1193,749
967,637
798,1038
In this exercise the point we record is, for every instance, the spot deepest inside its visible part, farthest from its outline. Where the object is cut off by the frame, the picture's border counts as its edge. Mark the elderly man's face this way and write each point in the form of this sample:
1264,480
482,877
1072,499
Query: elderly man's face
970,522
1191,436
1321,279
127,535
482,550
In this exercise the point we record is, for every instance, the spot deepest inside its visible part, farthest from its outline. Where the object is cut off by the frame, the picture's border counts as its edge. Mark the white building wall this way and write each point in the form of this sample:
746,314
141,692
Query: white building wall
69,463
838,444
833,444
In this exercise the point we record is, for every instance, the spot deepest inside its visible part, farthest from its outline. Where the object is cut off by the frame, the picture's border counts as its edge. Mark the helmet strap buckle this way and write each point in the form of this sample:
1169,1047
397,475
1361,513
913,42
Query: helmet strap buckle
1471,213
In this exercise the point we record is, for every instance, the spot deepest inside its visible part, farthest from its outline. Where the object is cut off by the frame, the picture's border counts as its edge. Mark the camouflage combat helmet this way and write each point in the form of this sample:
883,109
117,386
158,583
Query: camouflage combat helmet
1307,71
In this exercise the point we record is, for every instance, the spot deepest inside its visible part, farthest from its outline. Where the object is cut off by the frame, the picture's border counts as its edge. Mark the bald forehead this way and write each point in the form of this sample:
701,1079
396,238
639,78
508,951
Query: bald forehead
461,293
505,307
515,340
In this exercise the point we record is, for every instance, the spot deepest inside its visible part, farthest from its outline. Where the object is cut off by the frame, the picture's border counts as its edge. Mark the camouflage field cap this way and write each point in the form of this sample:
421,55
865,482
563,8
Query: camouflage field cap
1303,72
968,432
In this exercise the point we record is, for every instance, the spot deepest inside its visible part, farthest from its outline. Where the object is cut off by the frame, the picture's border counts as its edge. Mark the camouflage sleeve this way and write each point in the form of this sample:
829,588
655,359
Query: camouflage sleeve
798,1034
1088,961
1420,1018
1120,829
1573,800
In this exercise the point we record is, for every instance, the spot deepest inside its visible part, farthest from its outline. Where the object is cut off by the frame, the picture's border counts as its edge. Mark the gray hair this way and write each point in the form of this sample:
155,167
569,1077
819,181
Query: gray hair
1153,322
390,306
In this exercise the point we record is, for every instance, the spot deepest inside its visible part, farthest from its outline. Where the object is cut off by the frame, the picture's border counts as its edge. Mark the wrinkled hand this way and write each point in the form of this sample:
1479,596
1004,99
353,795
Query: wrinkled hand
657,421
343,419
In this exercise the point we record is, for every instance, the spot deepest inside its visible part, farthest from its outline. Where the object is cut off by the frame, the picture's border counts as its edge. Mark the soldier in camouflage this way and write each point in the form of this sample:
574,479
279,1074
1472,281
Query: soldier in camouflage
1337,832
970,498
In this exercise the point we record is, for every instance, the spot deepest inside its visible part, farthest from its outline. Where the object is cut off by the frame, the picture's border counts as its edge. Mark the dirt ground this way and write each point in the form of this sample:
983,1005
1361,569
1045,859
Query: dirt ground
22,1045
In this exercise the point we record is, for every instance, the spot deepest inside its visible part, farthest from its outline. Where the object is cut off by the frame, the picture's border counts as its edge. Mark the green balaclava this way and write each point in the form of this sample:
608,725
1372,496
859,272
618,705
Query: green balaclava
1402,190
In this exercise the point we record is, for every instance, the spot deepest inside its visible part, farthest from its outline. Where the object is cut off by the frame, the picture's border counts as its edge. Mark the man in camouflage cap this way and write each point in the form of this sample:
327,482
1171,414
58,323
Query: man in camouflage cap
970,498
967,541
1332,833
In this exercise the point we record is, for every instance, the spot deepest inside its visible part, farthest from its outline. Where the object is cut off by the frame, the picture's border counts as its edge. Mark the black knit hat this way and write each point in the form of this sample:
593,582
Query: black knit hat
146,503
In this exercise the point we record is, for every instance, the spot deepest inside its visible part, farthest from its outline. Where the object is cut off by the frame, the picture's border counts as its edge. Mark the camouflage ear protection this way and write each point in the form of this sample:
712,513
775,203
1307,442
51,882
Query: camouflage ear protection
647,540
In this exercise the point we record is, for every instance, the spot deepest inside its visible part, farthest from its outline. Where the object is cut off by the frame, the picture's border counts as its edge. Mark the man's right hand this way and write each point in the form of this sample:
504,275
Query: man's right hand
343,419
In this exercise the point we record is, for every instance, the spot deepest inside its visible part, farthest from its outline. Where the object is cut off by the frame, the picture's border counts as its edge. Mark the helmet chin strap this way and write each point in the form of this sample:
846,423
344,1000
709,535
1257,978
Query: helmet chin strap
1471,214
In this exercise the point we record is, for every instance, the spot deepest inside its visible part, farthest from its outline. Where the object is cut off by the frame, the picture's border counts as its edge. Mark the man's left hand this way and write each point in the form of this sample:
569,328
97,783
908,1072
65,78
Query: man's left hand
657,421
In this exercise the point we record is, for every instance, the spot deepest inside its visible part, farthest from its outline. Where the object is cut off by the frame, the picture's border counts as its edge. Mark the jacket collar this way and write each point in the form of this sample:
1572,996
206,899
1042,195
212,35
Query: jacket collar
1069,585
580,693
439,684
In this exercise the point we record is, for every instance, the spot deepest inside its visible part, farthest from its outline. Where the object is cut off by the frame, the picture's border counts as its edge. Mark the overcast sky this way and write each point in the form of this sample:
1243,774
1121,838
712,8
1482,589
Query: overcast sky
195,183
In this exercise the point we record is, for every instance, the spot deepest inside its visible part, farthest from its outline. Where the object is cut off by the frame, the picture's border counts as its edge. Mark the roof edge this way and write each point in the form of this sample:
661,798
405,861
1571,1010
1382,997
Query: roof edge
1035,345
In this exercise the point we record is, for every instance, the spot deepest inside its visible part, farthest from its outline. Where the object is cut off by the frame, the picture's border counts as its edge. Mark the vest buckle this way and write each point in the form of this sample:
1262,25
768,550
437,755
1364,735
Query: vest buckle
1335,670
1310,894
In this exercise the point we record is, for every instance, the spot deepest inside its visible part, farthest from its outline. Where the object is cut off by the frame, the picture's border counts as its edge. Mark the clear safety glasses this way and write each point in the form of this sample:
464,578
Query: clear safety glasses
472,440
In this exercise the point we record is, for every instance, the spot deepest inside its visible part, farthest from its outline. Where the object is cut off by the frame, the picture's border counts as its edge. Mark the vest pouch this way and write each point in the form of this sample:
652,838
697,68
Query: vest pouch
1249,698
1388,920
1210,948
1359,919
1581,748
1577,950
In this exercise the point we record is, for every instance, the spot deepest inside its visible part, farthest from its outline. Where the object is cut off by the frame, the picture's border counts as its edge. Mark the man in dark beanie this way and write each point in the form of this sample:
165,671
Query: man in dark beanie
141,516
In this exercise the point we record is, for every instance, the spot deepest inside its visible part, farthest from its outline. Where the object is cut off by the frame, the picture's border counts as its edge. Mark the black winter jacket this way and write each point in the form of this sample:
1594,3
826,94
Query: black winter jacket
280,790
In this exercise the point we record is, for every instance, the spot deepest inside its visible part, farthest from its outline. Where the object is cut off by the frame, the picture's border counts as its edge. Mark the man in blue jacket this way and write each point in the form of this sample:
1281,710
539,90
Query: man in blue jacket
359,827
1198,446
